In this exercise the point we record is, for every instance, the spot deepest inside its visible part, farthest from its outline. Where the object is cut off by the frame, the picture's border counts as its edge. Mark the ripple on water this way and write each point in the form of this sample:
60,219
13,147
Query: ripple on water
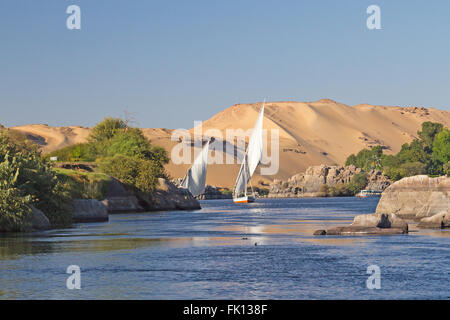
260,251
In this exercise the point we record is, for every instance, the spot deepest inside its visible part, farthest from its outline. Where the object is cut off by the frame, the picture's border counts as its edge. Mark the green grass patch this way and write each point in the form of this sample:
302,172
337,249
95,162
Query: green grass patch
84,185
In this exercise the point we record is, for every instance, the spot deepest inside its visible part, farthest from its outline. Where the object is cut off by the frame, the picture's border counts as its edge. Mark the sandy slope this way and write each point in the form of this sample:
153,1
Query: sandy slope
310,133
53,138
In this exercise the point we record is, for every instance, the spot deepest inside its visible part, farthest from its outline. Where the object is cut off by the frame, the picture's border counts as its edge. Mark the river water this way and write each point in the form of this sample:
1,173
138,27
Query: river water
263,250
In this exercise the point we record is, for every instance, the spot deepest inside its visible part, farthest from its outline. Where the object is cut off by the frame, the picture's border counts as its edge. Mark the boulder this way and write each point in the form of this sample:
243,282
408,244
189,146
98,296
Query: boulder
122,204
416,197
439,220
358,231
120,200
369,224
168,197
379,221
89,210
39,220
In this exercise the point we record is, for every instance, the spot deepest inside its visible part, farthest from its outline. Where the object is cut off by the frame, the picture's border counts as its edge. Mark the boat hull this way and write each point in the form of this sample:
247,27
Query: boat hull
246,199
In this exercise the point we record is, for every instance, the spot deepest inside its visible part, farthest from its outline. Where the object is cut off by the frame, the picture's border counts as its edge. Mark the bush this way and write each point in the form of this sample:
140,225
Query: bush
134,172
148,175
394,173
15,212
24,169
405,170
73,153
447,168
358,182
413,168
130,143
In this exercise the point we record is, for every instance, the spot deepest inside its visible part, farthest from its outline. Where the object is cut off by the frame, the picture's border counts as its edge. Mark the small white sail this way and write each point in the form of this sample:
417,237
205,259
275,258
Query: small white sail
195,179
251,158
242,179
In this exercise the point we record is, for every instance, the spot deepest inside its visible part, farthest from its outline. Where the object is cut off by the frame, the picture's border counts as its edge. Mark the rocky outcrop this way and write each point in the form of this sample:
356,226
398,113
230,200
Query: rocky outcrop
439,220
308,184
416,197
370,224
377,181
359,231
213,193
383,221
120,200
210,193
168,197
89,210
39,220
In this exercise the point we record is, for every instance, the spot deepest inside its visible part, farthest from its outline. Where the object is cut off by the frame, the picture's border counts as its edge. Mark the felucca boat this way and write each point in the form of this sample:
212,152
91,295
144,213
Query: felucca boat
251,160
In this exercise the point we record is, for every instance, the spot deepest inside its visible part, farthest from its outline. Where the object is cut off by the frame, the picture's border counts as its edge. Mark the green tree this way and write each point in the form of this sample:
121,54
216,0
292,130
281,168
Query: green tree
429,131
412,169
130,143
366,159
134,172
413,152
159,155
441,146
106,129
358,182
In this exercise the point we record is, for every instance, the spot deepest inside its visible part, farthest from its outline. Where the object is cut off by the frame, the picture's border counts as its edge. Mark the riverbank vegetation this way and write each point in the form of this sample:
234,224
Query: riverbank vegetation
429,154
120,151
82,184
28,180
357,183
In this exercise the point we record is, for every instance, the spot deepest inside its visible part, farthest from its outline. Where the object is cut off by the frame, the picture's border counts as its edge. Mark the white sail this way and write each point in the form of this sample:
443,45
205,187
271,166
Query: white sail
252,156
242,179
255,144
195,179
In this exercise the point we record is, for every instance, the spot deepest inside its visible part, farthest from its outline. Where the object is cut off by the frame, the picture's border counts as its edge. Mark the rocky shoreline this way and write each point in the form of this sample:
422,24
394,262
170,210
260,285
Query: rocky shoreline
166,197
418,198
308,184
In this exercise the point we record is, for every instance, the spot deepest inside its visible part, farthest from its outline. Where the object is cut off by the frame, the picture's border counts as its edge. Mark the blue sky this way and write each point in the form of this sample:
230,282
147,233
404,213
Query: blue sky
169,63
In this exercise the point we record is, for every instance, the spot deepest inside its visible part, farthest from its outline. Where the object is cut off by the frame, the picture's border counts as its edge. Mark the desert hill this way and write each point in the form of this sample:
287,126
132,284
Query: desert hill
311,133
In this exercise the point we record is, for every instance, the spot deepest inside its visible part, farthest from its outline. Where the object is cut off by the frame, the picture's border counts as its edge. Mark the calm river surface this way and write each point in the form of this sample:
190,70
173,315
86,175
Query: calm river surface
211,254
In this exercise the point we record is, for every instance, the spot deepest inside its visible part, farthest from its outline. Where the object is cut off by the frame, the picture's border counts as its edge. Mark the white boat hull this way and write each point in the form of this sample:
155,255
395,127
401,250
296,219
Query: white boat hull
246,199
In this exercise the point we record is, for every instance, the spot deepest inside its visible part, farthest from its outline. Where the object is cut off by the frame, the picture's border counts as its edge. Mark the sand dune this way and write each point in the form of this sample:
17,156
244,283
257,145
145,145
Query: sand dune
311,133
54,138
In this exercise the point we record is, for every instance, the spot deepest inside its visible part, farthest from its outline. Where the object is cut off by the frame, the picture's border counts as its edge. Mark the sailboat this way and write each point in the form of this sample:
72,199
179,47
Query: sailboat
195,178
251,160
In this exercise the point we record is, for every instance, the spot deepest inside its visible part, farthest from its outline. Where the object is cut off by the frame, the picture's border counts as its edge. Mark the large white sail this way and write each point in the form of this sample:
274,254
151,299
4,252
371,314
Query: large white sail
255,144
252,156
195,179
